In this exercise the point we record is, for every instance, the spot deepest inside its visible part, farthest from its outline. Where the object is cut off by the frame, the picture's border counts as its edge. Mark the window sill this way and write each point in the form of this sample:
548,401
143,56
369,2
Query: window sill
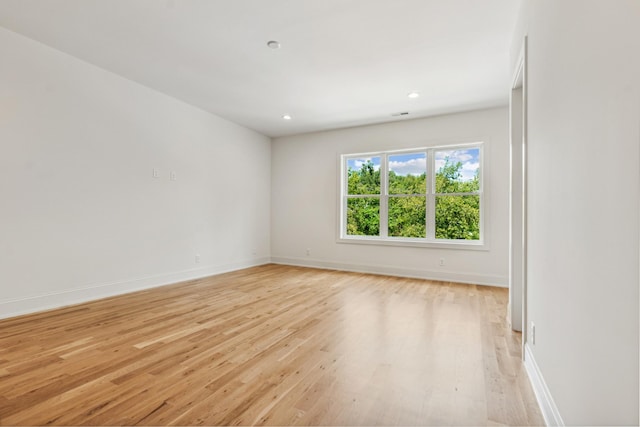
445,244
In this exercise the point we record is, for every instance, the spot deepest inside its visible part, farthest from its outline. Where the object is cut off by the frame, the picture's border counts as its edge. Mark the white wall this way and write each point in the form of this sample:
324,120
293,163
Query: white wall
583,204
81,215
305,198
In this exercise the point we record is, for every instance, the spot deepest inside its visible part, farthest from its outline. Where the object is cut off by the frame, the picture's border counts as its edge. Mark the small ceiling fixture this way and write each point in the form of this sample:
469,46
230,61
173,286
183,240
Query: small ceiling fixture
403,113
413,95
273,44
286,117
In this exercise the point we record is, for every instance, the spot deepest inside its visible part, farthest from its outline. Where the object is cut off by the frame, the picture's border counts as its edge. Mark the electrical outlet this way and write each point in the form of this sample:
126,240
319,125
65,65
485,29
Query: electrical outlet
197,258
308,251
532,333
155,173
441,262
173,176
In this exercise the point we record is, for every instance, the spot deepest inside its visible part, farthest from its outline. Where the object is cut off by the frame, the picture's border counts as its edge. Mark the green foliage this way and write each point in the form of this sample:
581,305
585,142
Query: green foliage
457,216
409,184
364,181
448,179
363,216
407,216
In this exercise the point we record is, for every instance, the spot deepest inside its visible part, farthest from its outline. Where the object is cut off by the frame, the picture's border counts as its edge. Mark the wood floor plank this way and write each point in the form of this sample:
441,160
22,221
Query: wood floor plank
271,345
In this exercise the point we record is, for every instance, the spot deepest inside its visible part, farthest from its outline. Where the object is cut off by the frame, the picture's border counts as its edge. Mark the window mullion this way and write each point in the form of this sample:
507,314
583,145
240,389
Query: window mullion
344,191
431,198
384,197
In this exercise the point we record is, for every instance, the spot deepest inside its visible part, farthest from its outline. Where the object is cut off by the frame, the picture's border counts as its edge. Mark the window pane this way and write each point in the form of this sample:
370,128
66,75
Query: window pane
407,173
363,216
458,217
363,175
407,216
457,170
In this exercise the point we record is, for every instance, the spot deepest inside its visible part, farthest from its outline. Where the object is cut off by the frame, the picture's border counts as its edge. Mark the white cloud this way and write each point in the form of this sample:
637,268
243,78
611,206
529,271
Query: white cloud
457,155
461,156
468,171
410,167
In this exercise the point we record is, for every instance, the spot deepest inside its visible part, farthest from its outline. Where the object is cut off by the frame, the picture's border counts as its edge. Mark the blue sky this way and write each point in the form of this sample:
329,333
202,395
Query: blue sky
415,163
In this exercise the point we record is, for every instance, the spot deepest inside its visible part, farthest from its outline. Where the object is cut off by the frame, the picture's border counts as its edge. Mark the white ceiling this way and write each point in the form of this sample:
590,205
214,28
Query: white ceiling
342,62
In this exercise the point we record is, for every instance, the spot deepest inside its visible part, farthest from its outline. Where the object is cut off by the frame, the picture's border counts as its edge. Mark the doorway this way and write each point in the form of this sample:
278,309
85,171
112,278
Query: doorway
518,198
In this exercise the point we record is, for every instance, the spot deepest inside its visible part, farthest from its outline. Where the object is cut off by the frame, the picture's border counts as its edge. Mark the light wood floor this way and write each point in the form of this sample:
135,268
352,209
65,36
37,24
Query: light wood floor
271,345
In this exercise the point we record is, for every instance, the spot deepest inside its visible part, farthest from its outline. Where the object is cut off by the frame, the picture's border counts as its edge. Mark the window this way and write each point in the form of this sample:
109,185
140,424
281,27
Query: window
418,196
363,197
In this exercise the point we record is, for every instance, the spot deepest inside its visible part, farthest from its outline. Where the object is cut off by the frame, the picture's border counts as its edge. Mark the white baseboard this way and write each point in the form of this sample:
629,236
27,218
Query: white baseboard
543,395
20,306
32,304
442,275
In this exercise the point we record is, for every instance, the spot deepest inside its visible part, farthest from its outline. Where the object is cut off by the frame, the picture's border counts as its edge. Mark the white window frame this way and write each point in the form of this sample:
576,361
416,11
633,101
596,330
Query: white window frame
430,239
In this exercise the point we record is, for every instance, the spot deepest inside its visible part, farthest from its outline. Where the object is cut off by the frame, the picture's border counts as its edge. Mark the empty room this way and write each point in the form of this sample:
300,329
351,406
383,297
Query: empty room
319,212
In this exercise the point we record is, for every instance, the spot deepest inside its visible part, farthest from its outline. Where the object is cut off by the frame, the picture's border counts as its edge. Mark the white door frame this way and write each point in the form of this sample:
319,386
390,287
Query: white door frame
518,197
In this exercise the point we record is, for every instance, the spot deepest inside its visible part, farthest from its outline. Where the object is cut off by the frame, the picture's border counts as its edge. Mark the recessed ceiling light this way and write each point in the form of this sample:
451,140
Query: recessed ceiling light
286,117
413,95
273,44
